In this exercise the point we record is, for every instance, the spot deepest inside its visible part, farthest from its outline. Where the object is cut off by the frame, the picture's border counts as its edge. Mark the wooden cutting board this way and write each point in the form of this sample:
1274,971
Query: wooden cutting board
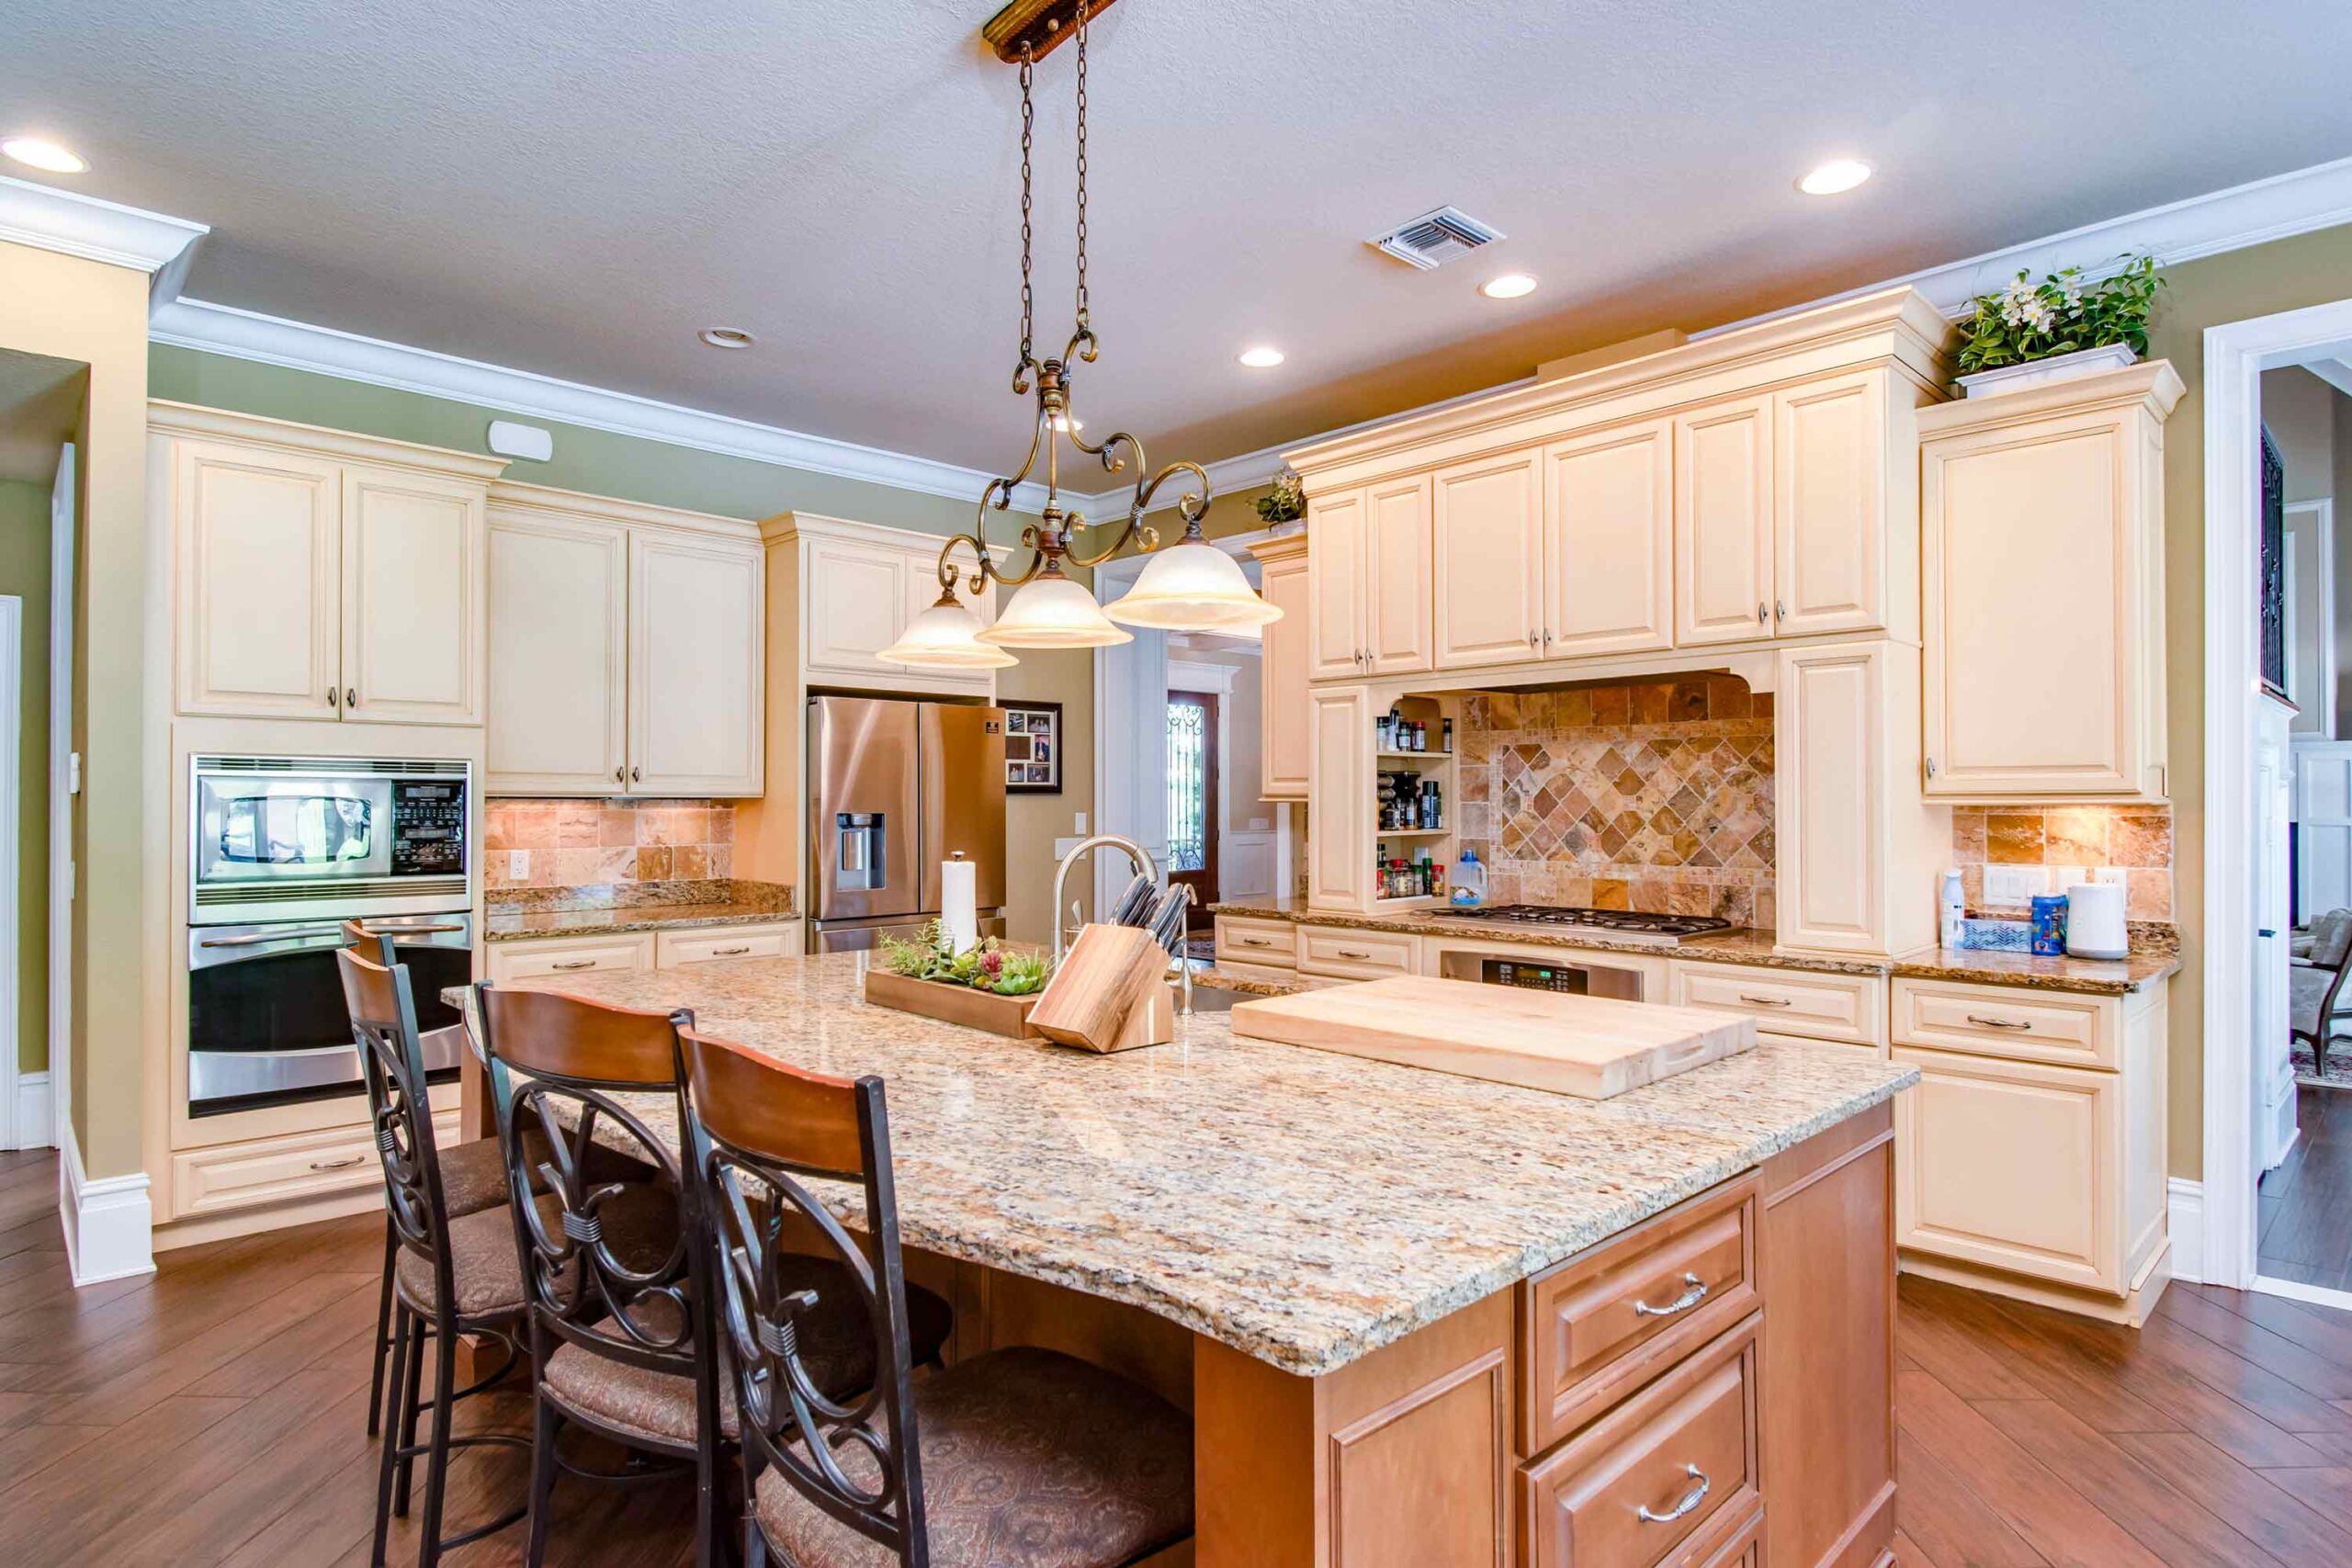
1593,1047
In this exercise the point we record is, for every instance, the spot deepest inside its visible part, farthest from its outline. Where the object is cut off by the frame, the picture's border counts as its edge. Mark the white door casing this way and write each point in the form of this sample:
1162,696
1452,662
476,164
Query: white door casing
2274,1068
12,716
62,769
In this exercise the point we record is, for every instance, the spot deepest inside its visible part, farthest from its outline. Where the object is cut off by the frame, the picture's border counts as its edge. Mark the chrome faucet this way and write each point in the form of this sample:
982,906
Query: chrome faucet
1142,860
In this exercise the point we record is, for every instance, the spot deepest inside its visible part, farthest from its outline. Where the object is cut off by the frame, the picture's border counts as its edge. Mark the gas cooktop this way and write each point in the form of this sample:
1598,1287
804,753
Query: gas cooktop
1616,922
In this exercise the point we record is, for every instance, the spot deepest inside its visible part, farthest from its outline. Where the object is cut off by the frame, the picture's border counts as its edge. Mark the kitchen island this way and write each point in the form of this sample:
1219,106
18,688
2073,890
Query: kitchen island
1418,1318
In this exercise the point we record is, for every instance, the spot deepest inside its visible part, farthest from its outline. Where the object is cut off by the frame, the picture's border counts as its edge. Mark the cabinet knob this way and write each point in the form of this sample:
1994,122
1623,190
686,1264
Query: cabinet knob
351,696
635,774
335,699
1931,767
1760,612
1781,608
620,776
1547,640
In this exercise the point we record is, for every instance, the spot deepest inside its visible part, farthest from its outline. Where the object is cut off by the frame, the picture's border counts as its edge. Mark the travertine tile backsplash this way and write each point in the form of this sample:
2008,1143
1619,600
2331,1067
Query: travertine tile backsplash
2136,837
578,843
1647,794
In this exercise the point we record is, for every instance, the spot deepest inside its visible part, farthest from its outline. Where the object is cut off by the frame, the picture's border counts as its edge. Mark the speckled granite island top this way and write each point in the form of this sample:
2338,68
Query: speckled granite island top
2106,977
1303,1207
547,912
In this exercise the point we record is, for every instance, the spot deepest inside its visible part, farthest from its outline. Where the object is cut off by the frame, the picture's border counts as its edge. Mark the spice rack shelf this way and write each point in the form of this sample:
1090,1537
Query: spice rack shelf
1429,767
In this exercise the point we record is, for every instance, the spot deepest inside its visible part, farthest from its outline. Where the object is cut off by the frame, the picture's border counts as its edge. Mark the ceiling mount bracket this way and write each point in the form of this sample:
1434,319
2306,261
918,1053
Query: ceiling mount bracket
1039,24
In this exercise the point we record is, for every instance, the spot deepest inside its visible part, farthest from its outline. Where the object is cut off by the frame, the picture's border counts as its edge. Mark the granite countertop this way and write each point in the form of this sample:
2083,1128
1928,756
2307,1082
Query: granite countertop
643,907
2110,978
1304,1207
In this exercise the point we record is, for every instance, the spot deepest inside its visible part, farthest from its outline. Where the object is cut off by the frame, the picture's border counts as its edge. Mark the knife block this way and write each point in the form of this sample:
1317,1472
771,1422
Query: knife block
1107,995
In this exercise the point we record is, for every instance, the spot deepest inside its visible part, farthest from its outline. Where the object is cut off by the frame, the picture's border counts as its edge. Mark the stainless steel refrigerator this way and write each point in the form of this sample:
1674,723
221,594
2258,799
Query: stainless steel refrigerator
896,787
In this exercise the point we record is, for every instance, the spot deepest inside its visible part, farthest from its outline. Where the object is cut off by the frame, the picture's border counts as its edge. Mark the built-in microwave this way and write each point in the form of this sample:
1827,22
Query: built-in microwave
291,838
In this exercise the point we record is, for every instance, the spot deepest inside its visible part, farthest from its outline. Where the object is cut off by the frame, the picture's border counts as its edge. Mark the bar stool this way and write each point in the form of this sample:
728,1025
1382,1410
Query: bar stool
1016,1457
623,1346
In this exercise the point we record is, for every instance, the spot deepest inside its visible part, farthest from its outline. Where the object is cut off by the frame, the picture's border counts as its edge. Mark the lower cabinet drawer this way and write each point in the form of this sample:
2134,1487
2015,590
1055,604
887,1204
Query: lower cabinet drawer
273,1170
569,956
1352,954
2008,1020
1601,1323
2012,1165
710,945
1849,1009
1669,1477
1272,943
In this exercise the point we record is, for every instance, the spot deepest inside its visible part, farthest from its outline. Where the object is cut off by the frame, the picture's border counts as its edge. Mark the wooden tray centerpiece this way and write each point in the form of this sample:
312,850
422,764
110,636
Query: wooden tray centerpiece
991,987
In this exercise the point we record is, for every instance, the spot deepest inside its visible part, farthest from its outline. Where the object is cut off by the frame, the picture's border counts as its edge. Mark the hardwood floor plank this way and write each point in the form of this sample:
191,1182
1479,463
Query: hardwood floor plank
44,1514
1932,1337
2256,1505
2034,1501
1953,1527
2272,1397
2164,1519
2323,1332
2308,1370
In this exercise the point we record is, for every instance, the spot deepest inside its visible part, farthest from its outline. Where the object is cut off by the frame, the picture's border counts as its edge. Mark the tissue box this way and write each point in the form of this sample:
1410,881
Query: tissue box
1996,936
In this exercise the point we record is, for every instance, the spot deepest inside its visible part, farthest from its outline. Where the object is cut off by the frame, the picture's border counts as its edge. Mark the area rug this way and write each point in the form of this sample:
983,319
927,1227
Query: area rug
2339,1064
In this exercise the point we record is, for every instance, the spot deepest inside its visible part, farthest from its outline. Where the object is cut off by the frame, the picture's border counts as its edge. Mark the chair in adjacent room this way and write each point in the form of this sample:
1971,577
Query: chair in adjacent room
2316,985
451,1275
1021,1456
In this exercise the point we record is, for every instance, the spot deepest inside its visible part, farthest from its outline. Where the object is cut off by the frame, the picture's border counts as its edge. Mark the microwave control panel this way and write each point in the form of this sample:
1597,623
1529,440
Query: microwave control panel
428,828
1535,977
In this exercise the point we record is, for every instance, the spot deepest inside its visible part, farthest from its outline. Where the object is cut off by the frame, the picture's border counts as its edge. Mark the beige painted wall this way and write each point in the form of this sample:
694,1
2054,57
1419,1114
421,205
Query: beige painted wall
2299,410
24,571
95,314
1032,822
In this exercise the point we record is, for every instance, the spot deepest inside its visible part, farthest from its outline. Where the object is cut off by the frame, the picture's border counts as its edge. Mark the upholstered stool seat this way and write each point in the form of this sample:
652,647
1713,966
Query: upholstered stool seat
486,1270
1030,1459
473,1177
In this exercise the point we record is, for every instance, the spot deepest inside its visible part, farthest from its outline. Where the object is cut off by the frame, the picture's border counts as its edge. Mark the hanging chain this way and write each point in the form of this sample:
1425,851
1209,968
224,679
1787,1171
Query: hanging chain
1082,323
1028,132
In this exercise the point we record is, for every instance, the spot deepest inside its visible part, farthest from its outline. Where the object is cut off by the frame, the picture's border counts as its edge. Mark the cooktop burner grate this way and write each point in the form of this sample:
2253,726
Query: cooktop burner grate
1631,920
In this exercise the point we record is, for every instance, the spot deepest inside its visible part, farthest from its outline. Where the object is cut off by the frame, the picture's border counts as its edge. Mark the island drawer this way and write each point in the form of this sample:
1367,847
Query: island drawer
274,1170
1668,1477
1848,1010
1604,1321
710,944
1354,954
569,956
2009,1021
1272,943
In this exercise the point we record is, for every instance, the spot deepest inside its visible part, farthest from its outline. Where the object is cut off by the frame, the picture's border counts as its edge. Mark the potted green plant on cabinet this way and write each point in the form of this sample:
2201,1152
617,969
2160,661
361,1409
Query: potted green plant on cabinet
2063,326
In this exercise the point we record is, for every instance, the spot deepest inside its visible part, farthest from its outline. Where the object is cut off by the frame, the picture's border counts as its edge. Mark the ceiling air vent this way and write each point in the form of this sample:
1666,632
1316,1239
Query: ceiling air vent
1435,238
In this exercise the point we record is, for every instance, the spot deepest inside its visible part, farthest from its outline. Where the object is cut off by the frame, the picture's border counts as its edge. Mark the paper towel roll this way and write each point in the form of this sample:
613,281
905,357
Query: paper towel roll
959,905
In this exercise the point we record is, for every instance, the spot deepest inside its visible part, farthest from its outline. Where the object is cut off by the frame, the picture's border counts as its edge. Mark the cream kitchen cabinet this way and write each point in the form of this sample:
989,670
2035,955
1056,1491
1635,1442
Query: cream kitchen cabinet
1339,836
626,649
1608,570
2021,1176
1370,567
864,586
1490,589
1285,744
319,575
2043,540
1722,522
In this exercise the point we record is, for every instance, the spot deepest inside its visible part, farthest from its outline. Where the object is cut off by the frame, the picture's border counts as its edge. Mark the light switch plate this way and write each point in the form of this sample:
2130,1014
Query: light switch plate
2062,877
1077,823
2112,874
2014,887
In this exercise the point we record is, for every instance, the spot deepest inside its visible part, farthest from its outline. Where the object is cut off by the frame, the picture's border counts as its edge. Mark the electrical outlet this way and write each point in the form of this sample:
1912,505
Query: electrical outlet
2113,875
518,865
2062,877
2014,887
1077,823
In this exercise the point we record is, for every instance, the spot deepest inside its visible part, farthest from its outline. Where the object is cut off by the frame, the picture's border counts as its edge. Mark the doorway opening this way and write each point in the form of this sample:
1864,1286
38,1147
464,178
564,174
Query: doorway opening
1194,762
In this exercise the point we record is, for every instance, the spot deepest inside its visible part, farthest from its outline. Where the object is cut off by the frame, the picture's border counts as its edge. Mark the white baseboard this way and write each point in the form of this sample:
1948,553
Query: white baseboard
2186,1199
109,1225
32,1118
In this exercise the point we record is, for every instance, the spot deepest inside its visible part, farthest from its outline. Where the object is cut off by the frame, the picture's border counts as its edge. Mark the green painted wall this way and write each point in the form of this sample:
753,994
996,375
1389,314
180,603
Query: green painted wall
24,571
598,462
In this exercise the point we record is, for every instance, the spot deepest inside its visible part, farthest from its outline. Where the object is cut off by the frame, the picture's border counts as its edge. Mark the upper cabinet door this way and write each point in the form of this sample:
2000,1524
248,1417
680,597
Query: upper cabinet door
1829,562
1336,551
858,597
1286,740
256,540
1722,522
1340,850
696,665
1398,595
1489,522
558,655
413,616
1609,541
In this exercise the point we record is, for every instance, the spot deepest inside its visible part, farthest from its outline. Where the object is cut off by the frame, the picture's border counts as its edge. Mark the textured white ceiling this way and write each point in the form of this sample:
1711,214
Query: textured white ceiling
576,188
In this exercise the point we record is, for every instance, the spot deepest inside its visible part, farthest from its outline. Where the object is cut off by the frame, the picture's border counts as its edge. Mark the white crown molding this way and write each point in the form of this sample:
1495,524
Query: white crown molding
54,220
297,346
2280,208
109,1225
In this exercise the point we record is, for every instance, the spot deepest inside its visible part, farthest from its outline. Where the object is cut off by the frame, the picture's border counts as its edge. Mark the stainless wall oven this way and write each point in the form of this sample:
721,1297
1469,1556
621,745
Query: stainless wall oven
282,851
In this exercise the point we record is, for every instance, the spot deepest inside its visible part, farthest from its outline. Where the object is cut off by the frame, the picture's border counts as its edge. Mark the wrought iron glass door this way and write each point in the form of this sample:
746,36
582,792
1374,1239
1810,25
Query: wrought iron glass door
1192,798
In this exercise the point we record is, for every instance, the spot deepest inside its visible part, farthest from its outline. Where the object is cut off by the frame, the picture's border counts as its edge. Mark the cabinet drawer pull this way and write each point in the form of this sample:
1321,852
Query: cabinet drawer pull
1253,941
730,951
574,964
1352,953
1766,1001
1694,1291
1691,1499
1998,1023
344,1164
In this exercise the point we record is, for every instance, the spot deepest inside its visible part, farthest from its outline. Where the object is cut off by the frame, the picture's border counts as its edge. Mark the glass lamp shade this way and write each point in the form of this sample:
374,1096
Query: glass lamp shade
1051,611
1192,587
942,638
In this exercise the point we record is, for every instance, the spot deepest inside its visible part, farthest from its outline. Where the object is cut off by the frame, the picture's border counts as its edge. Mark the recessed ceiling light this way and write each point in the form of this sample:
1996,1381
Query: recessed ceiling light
1836,176
1509,285
727,337
1261,358
41,154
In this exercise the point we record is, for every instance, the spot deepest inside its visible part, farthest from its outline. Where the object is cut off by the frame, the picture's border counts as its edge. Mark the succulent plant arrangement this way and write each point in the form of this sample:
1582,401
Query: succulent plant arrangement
1285,501
991,966
2060,314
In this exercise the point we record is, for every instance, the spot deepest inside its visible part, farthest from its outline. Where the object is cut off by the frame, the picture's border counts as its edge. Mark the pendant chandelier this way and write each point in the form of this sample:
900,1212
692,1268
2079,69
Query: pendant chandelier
1190,586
